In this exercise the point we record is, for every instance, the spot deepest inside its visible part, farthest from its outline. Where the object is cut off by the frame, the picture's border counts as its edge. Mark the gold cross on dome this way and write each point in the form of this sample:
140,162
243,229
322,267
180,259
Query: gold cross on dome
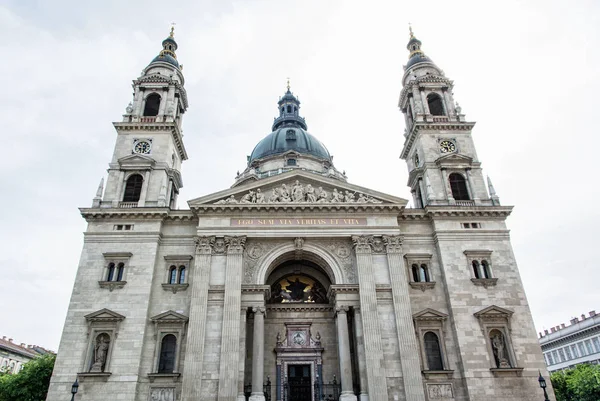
172,30
288,83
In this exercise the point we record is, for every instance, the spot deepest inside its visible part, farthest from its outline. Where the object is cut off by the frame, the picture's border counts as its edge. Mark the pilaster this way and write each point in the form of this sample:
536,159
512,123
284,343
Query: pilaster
194,356
344,354
409,357
230,337
360,352
370,319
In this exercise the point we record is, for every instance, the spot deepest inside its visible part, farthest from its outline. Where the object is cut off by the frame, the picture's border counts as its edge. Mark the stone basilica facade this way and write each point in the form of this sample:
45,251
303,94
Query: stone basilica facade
294,284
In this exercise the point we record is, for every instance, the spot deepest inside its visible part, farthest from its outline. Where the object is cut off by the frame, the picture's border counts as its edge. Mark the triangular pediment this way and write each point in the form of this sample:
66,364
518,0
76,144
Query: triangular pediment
297,188
169,317
454,160
430,314
136,161
493,311
104,315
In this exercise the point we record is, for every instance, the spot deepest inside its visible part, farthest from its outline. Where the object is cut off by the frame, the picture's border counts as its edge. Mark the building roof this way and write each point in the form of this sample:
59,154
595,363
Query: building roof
8,345
289,138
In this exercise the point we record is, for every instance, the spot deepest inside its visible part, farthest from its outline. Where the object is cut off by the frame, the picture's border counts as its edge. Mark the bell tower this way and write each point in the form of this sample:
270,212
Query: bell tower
438,148
145,170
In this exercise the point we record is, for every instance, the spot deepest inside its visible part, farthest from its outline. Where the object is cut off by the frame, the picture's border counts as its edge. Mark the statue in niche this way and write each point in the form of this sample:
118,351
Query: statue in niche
499,348
296,289
100,353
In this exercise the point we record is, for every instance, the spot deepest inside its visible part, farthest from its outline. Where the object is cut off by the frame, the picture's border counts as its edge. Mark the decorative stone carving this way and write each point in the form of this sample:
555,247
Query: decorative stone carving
298,244
377,244
393,243
129,108
499,347
204,245
299,193
235,244
255,251
437,391
362,243
162,394
219,246
100,353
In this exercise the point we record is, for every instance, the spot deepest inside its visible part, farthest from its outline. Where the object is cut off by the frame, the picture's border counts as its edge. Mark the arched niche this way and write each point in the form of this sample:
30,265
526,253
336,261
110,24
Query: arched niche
310,252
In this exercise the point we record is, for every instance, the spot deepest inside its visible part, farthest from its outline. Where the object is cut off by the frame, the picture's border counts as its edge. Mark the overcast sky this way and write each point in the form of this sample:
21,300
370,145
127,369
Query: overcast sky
525,71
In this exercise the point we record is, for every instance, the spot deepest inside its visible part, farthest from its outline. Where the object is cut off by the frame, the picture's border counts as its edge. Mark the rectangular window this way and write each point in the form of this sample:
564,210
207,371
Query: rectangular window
574,351
596,342
550,359
568,353
581,349
555,356
562,355
588,346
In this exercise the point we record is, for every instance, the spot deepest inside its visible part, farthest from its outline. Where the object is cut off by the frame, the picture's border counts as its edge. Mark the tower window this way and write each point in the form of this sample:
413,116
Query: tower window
289,109
458,185
168,346
291,162
133,188
436,107
152,105
420,274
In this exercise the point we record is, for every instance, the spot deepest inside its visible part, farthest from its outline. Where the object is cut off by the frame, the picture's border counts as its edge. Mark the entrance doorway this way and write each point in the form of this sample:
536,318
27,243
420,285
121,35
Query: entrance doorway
299,383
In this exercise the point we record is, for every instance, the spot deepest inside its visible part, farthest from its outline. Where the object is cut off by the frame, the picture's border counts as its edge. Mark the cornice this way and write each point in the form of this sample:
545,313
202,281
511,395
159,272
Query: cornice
311,207
423,80
156,126
423,126
468,211
136,213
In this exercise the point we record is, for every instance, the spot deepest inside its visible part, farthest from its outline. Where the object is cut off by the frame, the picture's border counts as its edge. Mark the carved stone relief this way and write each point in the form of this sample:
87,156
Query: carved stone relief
219,246
299,193
255,250
439,391
162,394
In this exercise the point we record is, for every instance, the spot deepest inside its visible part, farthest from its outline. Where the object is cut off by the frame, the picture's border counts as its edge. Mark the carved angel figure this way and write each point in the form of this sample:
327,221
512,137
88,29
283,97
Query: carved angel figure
310,193
336,196
321,195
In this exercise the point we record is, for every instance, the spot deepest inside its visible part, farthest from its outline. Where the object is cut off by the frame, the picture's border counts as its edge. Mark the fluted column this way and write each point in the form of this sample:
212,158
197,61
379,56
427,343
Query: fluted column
230,336
242,358
344,354
377,386
360,352
258,355
409,349
194,356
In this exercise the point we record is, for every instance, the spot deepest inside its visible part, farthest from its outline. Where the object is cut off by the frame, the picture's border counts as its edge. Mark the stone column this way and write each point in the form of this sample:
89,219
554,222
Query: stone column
119,195
242,358
409,349
471,187
192,374
377,386
447,193
448,103
144,191
258,355
230,337
344,354
424,101
360,352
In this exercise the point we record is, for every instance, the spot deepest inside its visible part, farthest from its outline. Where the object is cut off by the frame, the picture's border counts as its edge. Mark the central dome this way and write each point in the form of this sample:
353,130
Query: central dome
289,138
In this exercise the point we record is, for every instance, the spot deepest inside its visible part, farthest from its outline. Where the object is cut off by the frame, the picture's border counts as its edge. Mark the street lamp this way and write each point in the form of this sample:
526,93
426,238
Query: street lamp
74,389
543,386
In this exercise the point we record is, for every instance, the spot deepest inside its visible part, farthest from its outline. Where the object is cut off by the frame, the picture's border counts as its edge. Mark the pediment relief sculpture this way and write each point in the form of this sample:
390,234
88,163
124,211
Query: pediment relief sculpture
299,193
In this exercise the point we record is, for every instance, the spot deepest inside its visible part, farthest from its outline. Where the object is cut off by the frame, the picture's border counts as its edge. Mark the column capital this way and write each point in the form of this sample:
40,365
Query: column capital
235,245
343,309
393,243
259,309
204,244
362,243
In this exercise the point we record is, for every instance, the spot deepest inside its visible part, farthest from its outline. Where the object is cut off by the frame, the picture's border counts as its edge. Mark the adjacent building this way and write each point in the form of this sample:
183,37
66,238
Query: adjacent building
293,283
567,346
13,356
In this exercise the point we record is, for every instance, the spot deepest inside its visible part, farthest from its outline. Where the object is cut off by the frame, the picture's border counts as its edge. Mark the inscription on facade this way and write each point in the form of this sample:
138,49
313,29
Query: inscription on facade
299,222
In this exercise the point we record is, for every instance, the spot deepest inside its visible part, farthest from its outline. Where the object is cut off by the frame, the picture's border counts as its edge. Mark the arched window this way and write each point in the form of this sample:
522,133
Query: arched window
120,271
415,272
152,105
424,273
289,109
458,185
172,275
476,269
485,267
181,274
283,110
433,351
166,362
111,272
435,104
133,188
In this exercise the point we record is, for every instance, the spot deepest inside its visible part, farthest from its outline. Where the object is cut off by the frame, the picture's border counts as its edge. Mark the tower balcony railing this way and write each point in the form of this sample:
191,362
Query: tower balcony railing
147,119
465,203
127,205
440,119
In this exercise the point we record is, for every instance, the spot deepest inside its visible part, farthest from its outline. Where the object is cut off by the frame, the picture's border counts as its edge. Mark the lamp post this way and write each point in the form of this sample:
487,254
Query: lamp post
543,386
74,389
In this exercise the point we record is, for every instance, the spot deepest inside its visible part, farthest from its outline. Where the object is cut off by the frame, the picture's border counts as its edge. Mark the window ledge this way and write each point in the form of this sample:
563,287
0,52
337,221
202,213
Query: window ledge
175,288
506,372
172,376
438,374
97,376
422,285
111,285
485,282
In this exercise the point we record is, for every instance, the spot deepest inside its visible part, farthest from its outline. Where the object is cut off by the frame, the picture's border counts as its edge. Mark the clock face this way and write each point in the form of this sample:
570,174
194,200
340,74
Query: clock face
142,147
447,147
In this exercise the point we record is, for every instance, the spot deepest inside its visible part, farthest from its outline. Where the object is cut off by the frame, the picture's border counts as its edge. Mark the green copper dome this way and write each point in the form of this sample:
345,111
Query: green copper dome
289,138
